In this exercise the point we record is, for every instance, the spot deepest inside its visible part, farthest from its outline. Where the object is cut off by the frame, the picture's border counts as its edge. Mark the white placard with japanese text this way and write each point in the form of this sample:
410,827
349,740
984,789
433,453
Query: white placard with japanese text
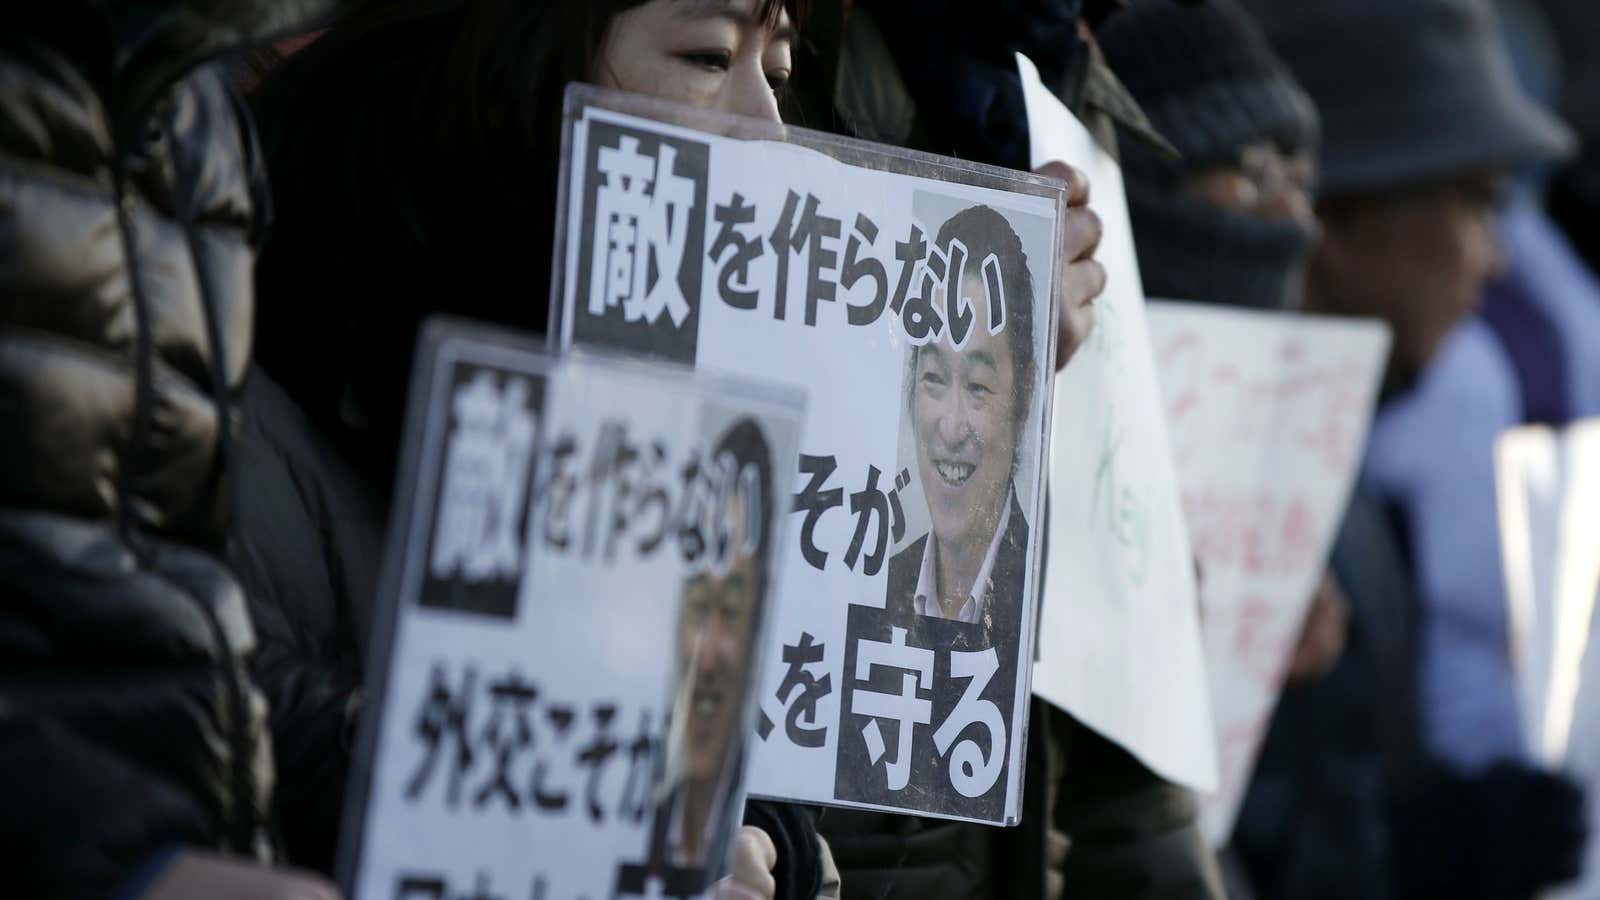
911,298
575,596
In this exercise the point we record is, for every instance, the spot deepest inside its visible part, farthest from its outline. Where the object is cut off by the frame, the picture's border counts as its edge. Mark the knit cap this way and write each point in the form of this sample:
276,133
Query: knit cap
1207,79
1211,85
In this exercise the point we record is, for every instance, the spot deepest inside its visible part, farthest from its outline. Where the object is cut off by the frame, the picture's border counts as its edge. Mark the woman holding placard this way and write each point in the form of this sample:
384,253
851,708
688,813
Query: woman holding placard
414,148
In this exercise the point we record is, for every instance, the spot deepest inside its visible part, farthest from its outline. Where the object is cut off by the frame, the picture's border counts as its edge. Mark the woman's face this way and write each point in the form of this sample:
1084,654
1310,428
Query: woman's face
714,54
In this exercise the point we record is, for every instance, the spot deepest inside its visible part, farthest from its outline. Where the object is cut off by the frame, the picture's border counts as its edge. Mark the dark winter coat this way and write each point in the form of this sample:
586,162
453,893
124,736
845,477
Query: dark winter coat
130,200
308,543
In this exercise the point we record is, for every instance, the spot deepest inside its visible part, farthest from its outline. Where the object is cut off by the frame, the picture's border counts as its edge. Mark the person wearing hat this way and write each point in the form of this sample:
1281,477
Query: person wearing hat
1422,118
1096,822
1387,793
1229,219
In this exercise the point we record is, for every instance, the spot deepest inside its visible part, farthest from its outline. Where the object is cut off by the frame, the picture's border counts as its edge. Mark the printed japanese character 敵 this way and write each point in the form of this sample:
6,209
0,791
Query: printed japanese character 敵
487,458
641,222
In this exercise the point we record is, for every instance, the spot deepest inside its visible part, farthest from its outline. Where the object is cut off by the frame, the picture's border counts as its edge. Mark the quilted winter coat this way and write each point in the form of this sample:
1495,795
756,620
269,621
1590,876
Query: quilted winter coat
131,197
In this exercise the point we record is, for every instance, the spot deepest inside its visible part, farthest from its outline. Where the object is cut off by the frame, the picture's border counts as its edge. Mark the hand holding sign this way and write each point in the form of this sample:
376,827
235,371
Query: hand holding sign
1084,278
751,863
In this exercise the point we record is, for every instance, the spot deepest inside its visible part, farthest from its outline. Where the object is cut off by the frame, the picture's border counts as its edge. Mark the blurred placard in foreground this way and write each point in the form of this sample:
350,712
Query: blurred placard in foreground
565,655
1548,483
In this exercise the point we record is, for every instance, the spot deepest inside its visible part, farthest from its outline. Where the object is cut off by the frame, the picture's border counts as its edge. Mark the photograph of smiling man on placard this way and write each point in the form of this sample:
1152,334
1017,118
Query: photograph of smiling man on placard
699,801
935,682
967,407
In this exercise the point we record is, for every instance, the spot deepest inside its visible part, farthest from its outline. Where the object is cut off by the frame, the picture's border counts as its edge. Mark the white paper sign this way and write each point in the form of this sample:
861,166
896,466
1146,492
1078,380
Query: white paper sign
1119,635
1268,413
575,597
899,675
1549,497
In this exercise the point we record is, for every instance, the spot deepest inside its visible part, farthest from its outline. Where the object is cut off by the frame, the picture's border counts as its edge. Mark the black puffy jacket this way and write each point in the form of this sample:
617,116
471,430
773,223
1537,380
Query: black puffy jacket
130,193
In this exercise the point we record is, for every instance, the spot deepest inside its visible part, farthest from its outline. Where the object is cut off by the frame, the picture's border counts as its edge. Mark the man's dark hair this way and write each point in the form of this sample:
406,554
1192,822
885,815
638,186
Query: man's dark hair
983,231
746,446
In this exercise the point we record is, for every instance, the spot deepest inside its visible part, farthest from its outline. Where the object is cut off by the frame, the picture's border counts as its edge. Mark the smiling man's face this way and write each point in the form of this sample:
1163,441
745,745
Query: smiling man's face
963,413
714,633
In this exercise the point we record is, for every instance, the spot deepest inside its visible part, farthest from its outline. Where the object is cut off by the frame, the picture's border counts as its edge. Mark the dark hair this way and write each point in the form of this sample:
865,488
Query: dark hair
983,231
746,445
414,151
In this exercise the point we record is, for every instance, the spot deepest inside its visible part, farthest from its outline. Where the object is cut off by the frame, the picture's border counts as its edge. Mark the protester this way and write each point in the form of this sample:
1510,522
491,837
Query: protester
427,199
1524,358
133,739
415,151
1230,220
1544,309
1421,121
950,86
432,195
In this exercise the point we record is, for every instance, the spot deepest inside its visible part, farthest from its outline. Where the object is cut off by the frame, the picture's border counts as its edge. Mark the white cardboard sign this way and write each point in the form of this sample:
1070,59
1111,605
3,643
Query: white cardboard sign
1548,484
1268,413
1119,633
